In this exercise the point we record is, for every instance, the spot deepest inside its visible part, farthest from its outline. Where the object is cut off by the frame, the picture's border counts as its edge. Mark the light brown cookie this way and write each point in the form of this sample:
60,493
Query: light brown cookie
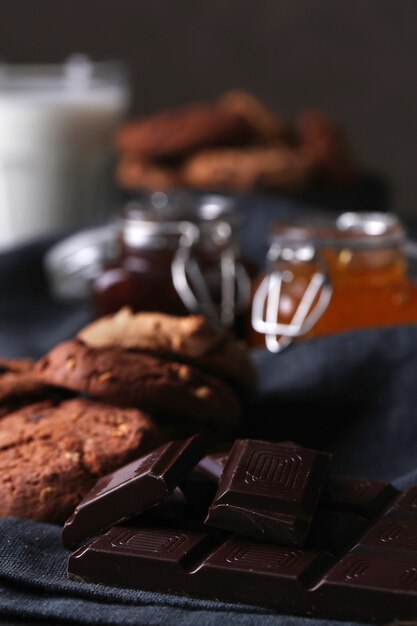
133,173
176,390
51,456
266,125
247,169
179,131
192,339
191,336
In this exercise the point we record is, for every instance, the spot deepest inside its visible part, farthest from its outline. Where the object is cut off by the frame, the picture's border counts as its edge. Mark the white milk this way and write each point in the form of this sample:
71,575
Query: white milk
55,132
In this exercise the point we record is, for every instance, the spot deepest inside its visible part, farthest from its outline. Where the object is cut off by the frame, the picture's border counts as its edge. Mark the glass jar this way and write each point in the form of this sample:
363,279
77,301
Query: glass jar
176,257
56,128
327,275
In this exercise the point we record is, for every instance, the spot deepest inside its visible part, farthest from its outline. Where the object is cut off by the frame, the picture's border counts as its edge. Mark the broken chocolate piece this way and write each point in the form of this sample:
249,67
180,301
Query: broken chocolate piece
269,491
132,489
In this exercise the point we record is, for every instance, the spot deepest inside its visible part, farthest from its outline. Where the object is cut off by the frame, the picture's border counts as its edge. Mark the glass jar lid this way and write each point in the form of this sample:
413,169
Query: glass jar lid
160,207
160,218
353,230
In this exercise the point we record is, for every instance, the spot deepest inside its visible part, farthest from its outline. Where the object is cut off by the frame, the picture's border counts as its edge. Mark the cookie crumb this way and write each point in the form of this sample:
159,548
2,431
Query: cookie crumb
104,376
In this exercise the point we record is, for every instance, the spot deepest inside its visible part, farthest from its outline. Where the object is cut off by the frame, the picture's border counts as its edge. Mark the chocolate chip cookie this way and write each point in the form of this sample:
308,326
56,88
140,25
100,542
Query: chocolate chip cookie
191,339
179,131
142,380
51,456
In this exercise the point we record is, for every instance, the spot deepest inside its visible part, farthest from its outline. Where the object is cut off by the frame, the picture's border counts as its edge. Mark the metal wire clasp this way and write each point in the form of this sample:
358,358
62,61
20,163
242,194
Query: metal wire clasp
191,285
267,299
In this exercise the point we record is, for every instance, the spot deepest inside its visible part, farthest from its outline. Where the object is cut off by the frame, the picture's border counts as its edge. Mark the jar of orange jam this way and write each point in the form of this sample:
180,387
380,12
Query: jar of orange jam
327,275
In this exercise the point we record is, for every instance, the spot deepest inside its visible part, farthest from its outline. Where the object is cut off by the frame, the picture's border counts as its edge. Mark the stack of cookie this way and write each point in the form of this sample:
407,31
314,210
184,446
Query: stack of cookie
183,370
234,144
54,447
137,379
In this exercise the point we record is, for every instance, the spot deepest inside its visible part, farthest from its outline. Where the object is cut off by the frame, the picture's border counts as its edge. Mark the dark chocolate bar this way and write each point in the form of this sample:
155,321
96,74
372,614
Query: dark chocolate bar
132,489
372,578
269,491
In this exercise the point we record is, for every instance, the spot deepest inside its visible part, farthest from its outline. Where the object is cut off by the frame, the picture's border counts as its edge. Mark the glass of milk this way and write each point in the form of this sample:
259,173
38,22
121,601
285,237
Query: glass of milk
56,124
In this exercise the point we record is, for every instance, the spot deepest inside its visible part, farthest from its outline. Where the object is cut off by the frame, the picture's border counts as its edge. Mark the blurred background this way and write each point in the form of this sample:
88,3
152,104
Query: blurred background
323,122
353,60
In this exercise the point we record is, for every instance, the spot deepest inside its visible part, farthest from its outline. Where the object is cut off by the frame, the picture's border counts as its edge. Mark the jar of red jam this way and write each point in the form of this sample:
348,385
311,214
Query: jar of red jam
176,256
327,275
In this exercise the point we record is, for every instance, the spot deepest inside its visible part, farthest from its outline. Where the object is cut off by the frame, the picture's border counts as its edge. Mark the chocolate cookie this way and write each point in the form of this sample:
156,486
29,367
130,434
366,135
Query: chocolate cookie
179,131
325,147
247,169
51,456
133,173
138,379
191,339
18,385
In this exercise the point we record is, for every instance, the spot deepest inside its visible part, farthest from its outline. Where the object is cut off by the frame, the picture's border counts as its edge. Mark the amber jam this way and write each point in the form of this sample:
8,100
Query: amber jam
330,275
177,260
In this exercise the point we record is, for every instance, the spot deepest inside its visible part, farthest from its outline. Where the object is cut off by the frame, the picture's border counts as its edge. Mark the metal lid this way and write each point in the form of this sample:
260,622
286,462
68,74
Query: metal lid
150,218
355,230
161,206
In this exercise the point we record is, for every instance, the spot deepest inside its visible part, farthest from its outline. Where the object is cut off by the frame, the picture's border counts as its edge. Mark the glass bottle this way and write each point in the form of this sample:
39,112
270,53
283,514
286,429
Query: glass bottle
327,275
